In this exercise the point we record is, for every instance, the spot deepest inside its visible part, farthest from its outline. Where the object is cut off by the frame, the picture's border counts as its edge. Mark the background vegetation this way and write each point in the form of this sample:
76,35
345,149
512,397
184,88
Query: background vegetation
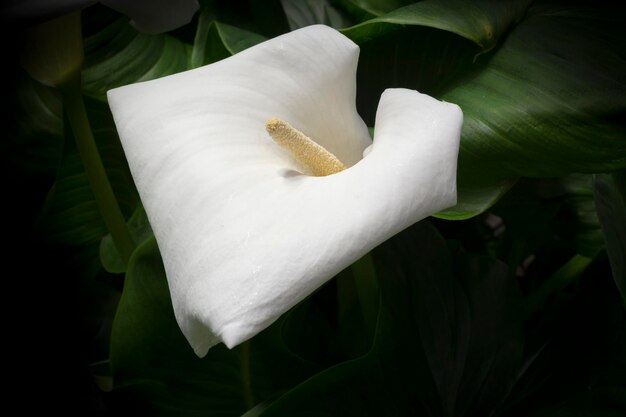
509,304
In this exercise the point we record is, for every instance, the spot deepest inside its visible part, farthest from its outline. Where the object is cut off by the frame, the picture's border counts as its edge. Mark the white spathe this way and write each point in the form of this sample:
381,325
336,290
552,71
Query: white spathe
243,235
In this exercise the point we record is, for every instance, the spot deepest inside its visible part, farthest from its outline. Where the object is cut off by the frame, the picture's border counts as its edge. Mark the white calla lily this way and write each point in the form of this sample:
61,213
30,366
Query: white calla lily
243,234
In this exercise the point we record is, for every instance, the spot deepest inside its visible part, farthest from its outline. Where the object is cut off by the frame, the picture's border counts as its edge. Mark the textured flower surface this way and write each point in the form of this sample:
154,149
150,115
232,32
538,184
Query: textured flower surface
245,233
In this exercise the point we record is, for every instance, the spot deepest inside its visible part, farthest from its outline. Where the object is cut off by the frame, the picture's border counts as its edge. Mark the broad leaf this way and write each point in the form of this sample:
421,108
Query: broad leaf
215,41
429,46
540,107
448,340
373,7
536,105
118,55
301,13
151,359
580,224
468,314
481,22
475,194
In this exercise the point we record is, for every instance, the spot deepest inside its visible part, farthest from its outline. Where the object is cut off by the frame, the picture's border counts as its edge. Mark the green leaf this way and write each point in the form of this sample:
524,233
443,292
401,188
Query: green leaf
115,55
349,388
475,194
140,229
544,223
467,311
448,340
70,214
37,144
582,229
301,13
610,197
535,106
540,107
481,22
374,7
152,361
416,57
265,17
215,41
118,55
429,46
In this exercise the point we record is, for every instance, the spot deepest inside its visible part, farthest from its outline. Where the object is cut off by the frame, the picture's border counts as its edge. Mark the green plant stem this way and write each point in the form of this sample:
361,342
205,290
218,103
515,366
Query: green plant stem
366,285
556,282
100,185
244,367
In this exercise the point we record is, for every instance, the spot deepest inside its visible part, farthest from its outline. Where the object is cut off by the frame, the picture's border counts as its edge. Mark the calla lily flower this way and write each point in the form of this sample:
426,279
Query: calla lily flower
253,175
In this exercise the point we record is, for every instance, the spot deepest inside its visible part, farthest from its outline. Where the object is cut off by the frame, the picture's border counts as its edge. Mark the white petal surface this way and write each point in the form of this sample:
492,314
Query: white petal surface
243,235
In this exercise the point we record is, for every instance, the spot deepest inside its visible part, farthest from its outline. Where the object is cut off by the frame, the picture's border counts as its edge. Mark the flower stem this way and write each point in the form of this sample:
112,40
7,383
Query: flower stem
367,289
244,368
100,185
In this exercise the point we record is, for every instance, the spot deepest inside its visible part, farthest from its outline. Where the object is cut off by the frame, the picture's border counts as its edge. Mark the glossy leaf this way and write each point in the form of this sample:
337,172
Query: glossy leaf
481,22
583,229
540,107
374,7
118,55
429,46
475,194
301,13
215,41
546,100
534,106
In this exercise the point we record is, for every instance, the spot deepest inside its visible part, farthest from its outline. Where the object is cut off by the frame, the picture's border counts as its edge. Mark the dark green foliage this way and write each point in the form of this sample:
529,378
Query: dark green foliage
514,309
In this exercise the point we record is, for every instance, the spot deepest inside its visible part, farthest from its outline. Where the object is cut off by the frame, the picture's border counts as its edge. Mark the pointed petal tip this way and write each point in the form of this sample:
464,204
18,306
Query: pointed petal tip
202,341
231,335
